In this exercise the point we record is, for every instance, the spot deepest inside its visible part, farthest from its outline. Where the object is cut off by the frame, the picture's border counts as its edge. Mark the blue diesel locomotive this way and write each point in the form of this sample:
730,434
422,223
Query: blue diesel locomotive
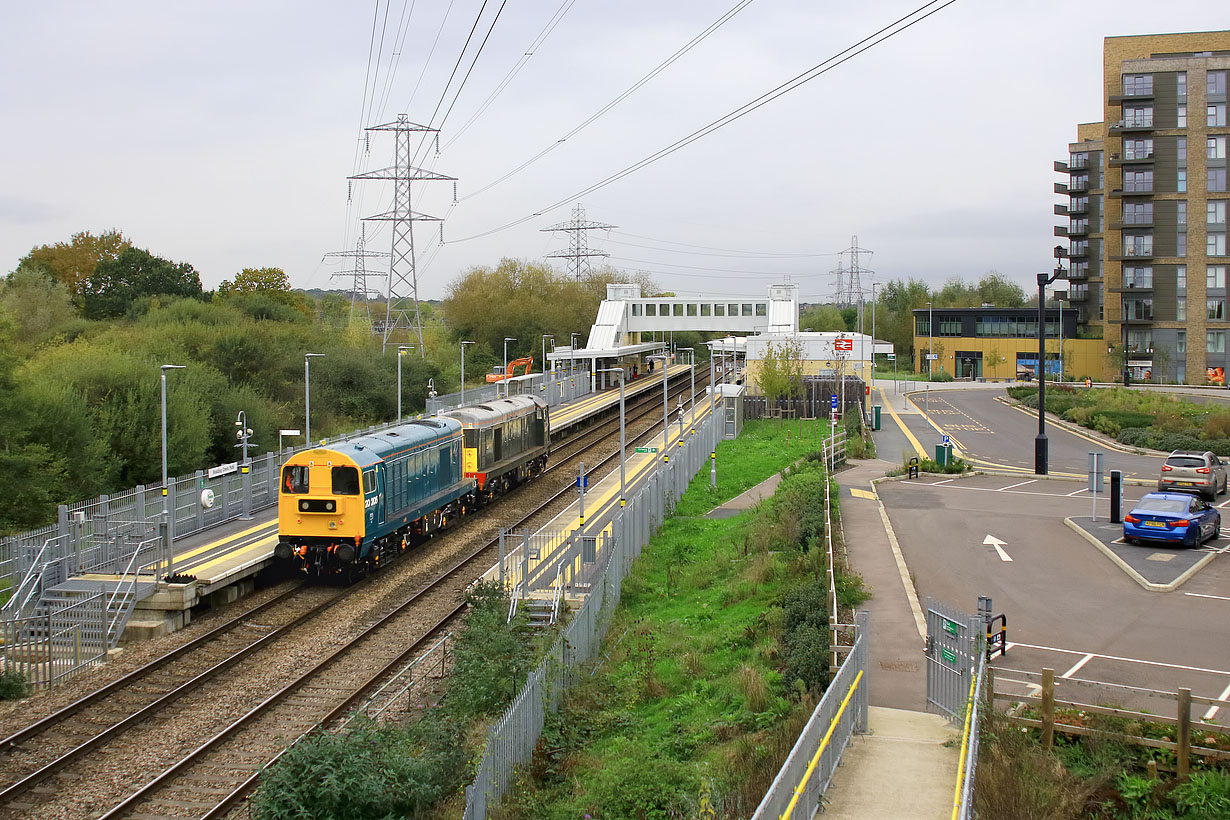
344,510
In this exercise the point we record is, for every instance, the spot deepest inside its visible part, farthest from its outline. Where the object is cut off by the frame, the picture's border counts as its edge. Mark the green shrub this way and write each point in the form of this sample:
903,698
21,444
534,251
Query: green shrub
13,686
806,641
942,376
635,784
1205,796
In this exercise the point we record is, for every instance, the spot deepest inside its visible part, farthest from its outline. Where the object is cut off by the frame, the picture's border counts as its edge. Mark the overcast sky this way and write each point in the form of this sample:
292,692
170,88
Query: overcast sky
222,133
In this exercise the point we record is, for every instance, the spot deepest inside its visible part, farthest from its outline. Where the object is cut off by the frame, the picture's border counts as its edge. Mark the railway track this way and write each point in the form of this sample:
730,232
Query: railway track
60,751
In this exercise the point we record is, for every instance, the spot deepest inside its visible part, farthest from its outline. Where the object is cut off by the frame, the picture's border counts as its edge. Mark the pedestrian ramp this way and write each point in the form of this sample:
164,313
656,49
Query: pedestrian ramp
905,767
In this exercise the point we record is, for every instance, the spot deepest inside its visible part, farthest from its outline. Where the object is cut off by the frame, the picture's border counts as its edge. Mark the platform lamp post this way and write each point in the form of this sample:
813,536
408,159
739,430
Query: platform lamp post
462,398
666,413
692,358
572,353
546,336
873,337
401,351
168,521
1041,447
507,339
307,396
623,453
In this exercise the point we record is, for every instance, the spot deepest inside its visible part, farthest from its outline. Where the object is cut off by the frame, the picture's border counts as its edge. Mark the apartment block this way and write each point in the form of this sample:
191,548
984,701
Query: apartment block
1147,204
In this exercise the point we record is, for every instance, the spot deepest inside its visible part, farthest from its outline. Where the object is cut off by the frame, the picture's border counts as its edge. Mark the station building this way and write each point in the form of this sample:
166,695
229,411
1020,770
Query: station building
1000,343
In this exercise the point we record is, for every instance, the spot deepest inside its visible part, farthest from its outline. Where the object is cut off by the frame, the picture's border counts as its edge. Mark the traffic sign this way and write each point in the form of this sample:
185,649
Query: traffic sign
647,449
890,355
932,356
833,401
947,440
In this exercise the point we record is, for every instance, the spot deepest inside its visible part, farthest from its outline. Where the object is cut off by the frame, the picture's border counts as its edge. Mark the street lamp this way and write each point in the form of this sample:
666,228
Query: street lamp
462,399
546,336
165,517
307,396
666,428
623,457
1041,446
873,336
507,339
401,351
692,358
244,434
930,340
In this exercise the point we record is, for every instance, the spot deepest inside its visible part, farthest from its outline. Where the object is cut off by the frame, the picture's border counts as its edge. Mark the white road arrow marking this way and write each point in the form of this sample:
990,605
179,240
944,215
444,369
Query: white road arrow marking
999,547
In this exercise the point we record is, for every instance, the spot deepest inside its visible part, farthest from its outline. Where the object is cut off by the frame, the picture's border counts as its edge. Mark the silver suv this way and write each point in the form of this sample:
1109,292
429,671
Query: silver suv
1188,471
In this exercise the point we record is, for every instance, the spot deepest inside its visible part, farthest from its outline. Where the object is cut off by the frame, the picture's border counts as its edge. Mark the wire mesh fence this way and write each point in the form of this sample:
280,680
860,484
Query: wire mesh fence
511,741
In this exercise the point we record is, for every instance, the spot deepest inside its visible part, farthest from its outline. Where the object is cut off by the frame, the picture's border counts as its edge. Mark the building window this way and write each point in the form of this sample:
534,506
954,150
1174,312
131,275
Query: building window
677,310
1217,147
1080,247
1138,213
651,310
1079,182
636,308
1138,276
1138,149
1180,241
1078,161
719,310
1140,341
1078,204
949,327
1182,117
1215,276
1217,114
1138,245
747,310
1216,245
1217,179
1180,82
1180,309
1181,180
706,309
1181,345
1180,146
691,309
762,309
1138,116
1137,84
1139,308
733,310
1217,308
1215,341
1138,181
1216,82
1079,270
1180,276
1217,212
1180,209
922,326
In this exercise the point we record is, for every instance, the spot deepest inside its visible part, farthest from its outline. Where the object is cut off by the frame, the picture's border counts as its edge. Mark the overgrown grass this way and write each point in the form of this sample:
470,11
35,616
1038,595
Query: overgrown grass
1139,418
715,658
1095,776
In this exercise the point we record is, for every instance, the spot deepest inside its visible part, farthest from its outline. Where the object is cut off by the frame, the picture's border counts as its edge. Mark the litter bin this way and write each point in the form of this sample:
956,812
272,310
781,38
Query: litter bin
875,417
943,454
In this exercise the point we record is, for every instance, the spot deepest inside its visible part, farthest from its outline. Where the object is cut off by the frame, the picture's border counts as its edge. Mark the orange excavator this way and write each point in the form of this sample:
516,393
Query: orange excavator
499,375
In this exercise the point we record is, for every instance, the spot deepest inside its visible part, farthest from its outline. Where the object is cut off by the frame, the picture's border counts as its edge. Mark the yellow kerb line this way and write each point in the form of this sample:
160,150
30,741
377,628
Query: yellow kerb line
811,767
969,719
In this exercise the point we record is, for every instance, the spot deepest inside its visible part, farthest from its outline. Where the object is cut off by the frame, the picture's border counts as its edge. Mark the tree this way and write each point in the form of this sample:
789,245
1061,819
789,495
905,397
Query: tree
117,283
822,319
72,263
995,289
781,371
272,282
36,303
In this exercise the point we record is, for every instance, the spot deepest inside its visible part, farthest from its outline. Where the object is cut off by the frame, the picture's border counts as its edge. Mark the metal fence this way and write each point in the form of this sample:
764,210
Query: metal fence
964,798
511,741
955,646
49,647
808,770
554,387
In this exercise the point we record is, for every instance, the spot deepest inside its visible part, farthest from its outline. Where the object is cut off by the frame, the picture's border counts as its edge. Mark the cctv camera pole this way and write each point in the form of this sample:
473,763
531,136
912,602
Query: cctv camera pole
1040,443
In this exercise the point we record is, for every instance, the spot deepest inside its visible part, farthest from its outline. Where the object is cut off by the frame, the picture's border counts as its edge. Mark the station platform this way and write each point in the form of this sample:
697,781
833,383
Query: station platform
219,565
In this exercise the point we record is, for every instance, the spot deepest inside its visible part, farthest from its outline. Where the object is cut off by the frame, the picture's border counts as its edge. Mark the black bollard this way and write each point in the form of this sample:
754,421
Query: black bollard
1116,496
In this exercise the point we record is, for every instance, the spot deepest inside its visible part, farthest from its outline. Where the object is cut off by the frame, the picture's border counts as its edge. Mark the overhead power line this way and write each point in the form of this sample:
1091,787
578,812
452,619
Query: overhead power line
871,41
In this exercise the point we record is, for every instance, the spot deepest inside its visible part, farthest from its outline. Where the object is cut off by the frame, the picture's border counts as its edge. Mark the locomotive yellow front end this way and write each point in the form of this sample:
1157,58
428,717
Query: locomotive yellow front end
320,508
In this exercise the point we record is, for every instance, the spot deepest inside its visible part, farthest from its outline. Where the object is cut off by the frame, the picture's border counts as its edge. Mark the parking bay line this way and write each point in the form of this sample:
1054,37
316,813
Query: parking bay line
1202,595
1120,658
1022,484
1076,667
1209,715
996,490
1078,492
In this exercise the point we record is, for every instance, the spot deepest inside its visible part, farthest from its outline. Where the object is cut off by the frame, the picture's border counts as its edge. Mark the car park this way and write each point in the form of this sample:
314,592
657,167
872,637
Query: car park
1193,471
1174,517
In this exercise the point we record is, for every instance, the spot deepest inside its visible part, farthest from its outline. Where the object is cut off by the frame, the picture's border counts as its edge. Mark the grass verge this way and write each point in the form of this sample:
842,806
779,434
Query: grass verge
716,657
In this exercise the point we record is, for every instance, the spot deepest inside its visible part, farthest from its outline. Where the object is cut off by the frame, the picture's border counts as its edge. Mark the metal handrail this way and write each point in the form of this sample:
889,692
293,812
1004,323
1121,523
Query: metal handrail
559,592
815,759
964,791
112,637
17,603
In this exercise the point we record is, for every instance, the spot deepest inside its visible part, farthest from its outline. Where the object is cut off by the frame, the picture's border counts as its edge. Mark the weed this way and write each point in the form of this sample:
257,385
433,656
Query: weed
751,684
761,570
13,685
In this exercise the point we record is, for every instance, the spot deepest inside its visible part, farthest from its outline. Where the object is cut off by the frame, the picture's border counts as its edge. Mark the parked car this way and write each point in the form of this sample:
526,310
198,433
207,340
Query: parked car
1175,517
1191,471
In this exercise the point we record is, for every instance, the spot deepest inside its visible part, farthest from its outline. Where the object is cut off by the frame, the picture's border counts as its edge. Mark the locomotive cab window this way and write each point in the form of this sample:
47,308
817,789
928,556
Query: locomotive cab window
369,481
294,480
345,481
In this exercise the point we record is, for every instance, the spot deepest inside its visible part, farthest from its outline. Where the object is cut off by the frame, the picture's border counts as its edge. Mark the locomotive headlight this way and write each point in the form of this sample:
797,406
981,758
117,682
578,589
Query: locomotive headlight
329,506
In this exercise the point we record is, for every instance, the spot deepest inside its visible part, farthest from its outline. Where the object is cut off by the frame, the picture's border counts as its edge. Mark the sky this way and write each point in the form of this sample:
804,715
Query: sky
223,133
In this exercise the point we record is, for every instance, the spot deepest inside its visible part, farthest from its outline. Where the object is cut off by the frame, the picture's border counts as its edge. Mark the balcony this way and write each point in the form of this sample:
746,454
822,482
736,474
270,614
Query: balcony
1117,161
1080,208
1134,255
1134,286
1060,230
1078,295
1061,210
1135,96
1061,188
1081,228
1138,320
1061,167
1131,126
1078,186
1079,252
1137,222
1140,189
1079,273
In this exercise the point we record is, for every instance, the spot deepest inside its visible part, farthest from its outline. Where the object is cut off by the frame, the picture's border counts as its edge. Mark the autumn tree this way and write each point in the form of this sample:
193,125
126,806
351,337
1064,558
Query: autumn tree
265,281
781,371
73,262
117,283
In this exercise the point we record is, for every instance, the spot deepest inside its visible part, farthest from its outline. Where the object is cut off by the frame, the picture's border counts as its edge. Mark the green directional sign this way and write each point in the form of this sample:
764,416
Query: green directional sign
950,627
647,449
948,655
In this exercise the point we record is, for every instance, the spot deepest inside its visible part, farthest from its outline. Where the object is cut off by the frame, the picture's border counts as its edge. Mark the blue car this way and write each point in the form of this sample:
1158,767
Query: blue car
1176,517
